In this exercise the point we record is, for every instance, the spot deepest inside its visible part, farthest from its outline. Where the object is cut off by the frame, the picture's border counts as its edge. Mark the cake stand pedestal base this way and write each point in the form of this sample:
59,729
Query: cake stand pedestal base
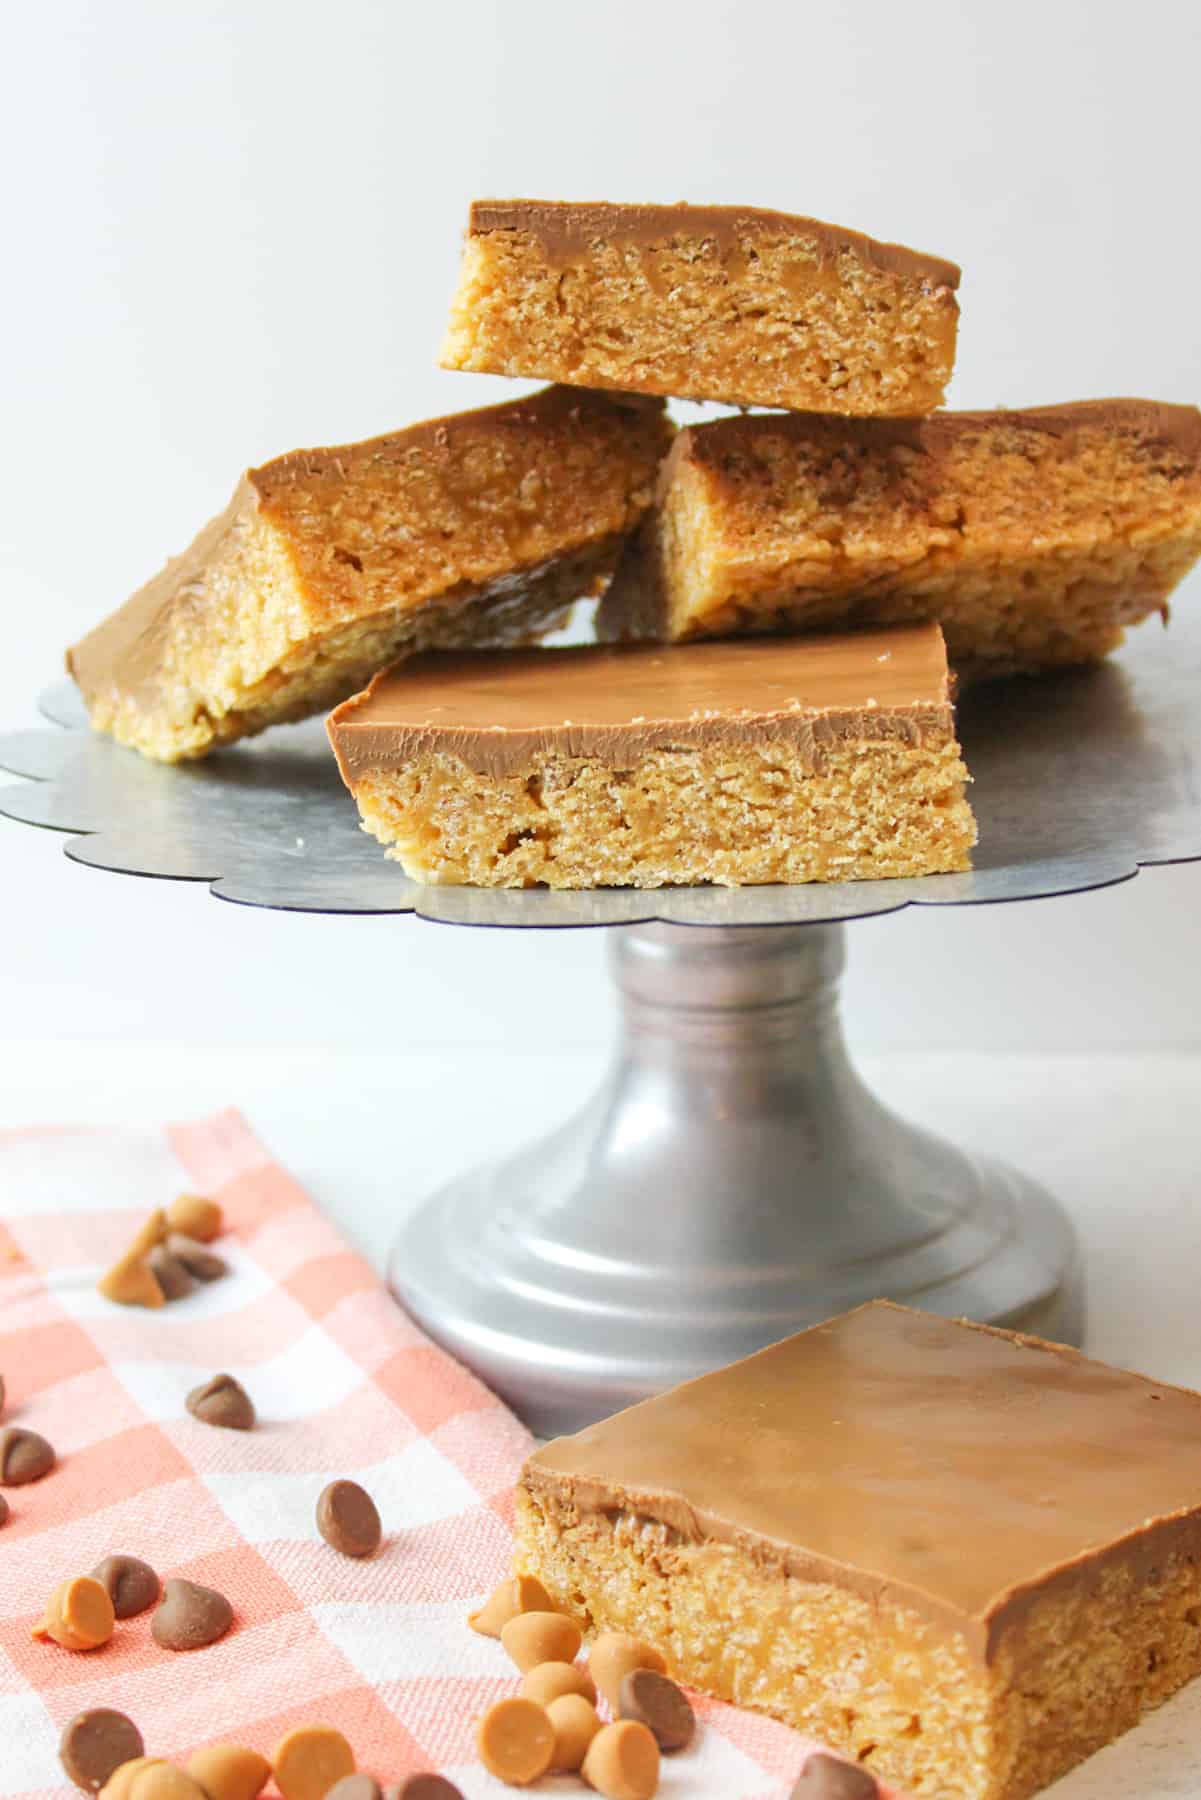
732,1182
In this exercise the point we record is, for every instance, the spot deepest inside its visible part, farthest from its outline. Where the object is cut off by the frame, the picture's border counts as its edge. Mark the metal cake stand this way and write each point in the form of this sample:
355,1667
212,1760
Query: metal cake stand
734,1179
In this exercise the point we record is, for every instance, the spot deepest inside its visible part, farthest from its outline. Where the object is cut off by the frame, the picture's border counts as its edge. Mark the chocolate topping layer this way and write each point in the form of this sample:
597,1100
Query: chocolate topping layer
567,230
496,710
127,648
1155,421
950,1468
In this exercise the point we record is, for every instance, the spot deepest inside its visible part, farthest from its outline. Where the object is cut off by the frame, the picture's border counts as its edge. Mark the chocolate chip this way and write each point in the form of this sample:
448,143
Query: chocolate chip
196,1258
222,1401
424,1787
132,1584
355,1787
95,1744
3,1509
829,1778
655,1701
1,1394
170,1274
348,1519
190,1616
24,1456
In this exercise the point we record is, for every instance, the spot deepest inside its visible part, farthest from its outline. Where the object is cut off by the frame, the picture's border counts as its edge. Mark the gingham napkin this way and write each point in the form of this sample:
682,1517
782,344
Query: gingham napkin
344,1385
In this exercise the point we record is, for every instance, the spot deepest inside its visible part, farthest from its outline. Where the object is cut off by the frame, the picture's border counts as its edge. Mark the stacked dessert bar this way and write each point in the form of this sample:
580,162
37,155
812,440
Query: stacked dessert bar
852,537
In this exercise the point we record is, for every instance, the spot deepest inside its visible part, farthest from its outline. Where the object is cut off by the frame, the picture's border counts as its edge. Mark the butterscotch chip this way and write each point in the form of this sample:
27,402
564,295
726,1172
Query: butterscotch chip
483,528
729,303
222,1401
655,1701
199,1261
516,1741
170,1273
190,1616
1034,538
132,1282
24,1456
622,1761
131,1583
120,1785
615,1655
311,1760
829,1778
79,1615
541,1637
152,1233
355,1787
424,1787
519,1594
348,1519
163,1781
195,1216
575,1723
95,1744
229,1772
549,1680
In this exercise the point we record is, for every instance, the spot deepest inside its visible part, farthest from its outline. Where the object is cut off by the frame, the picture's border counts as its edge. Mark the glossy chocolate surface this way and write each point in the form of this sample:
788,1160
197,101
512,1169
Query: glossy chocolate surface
951,1469
495,710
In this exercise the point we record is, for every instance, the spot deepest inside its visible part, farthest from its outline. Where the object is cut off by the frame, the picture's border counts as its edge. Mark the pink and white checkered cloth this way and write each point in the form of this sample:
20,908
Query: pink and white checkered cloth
344,1385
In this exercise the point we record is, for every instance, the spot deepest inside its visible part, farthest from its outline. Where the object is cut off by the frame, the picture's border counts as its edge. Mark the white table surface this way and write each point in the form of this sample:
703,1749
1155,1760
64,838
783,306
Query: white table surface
1118,1139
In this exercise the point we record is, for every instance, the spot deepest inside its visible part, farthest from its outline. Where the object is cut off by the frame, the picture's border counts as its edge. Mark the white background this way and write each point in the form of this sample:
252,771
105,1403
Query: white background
231,228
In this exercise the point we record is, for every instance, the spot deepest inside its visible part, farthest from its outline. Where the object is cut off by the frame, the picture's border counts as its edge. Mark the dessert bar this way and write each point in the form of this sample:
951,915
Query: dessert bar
965,1557
327,564
1033,537
725,303
818,759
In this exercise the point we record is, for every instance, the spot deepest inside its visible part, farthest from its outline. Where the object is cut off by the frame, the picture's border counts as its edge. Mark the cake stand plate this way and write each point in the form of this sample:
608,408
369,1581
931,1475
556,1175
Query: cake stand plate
733,1180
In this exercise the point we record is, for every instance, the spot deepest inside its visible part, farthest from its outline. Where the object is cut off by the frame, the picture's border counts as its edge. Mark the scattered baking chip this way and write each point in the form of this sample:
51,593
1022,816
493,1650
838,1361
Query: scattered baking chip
575,1723
516,1741
309,1761
95,1744
229,1772
131,1584
519,1594
614,1655
199,1261
190,1616
728,303
222,1401
348,1519
656,1702
170,1273
541,1637
622,1761
79,1615
830,1778
195,1216
549,1680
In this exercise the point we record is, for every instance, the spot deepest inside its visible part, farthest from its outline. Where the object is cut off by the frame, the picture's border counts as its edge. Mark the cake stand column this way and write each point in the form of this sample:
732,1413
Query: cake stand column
732,1181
